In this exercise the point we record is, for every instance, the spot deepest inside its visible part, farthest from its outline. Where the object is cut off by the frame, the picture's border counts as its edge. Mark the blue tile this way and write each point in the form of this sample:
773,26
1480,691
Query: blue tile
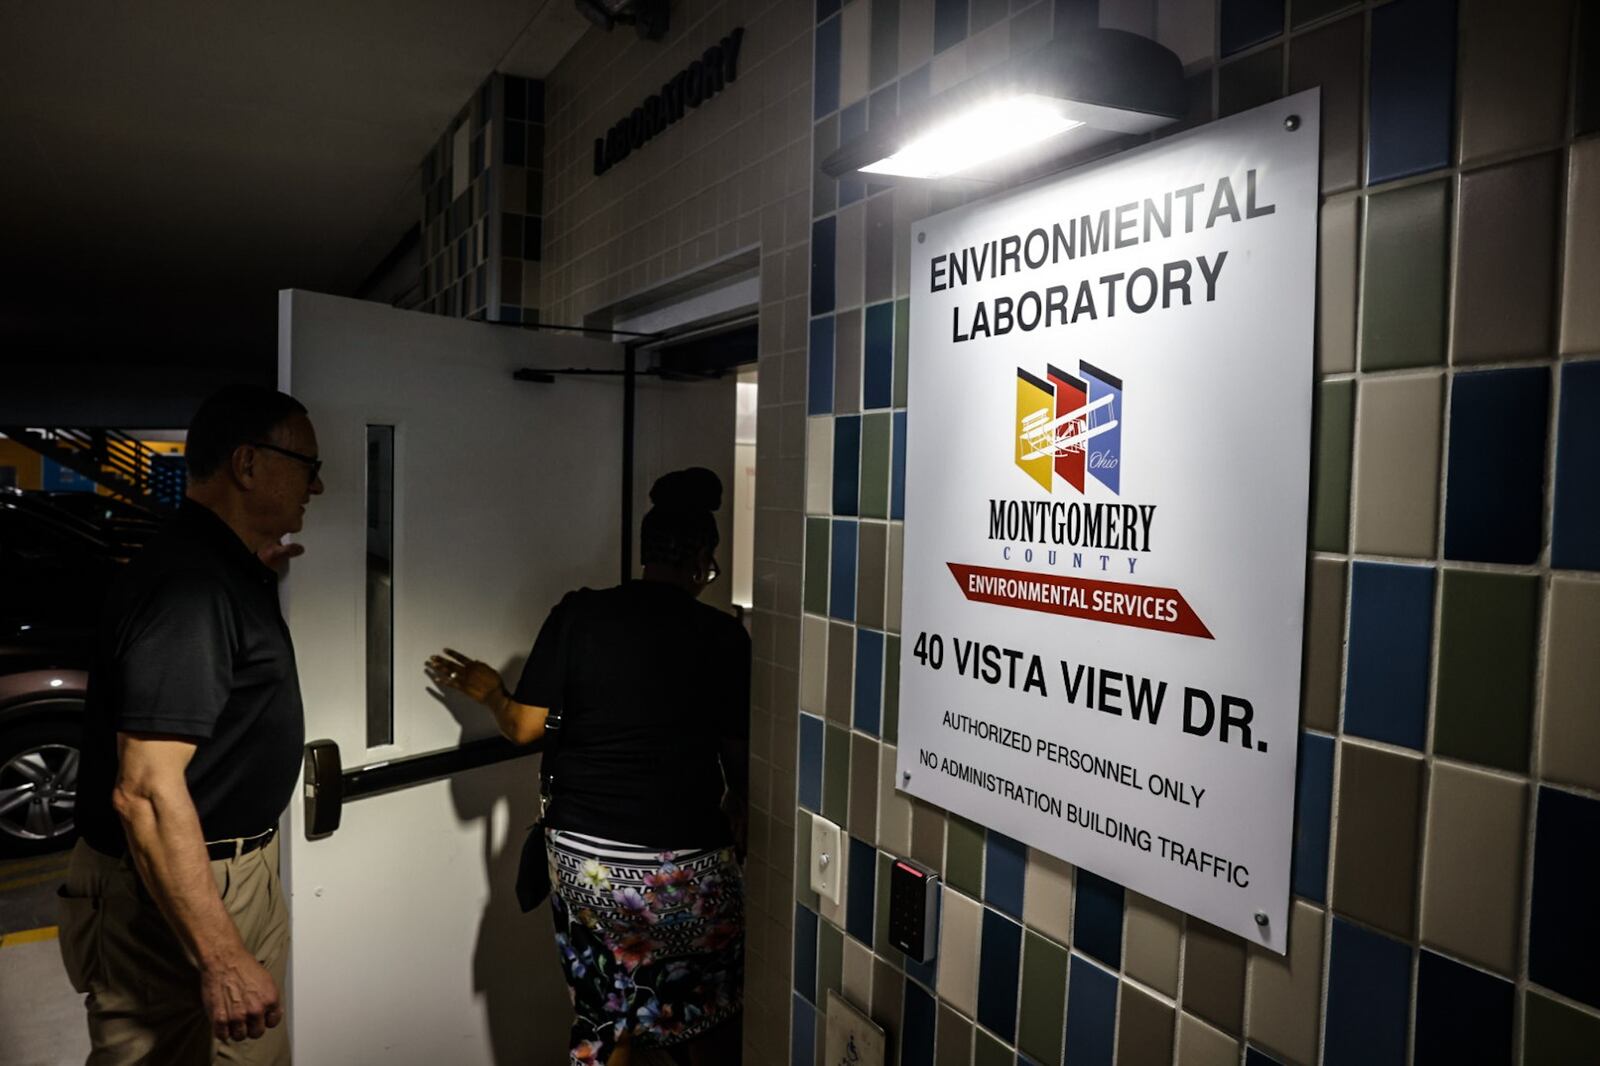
1391,638
869,681
1097,919
826,8
915,87
1412,88
810,783
852,122
805,952
877,382
1313,803
825,86
846,464
1369,998
897,469
823,233
1494,495
842,562
1254,1056
999,973
949,23
819,358
862,901
1575,539
926,972
1248,22
852,187
916,1027
1091,1013
1463,1014
1005,866
1566,923
803,1041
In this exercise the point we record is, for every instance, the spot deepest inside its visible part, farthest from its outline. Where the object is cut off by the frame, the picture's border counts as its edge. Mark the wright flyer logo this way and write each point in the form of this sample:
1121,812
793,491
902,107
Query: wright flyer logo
1069,425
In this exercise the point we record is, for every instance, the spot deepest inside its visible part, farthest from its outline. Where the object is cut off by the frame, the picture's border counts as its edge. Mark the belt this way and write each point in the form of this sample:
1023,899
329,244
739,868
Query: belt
229,849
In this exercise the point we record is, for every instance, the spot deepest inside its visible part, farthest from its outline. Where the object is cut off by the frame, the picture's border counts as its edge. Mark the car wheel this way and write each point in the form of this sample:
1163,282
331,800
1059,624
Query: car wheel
38,787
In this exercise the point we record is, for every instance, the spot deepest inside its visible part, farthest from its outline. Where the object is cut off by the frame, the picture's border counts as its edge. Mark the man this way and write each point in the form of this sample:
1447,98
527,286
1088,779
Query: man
173,920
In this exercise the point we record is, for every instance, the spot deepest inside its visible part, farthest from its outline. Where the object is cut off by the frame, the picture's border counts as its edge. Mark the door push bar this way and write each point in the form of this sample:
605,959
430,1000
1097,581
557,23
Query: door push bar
329,786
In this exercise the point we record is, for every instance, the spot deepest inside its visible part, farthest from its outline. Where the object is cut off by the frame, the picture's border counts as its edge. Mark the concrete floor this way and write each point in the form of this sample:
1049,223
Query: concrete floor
41,1016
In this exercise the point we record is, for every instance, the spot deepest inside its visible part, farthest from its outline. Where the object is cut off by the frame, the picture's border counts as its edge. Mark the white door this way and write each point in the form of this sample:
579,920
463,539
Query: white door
408,944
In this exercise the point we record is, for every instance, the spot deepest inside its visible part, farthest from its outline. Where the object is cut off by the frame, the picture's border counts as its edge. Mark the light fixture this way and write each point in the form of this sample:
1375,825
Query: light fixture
1098,84
649,17
56,682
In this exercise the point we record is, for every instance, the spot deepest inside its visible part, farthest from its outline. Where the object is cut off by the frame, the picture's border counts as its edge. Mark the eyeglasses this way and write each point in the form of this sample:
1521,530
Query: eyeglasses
310,460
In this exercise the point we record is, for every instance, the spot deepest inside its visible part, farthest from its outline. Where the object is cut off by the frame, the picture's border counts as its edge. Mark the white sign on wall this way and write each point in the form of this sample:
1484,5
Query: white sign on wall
1106,495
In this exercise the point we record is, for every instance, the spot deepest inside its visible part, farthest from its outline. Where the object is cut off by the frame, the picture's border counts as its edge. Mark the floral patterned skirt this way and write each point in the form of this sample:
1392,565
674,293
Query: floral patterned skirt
652,941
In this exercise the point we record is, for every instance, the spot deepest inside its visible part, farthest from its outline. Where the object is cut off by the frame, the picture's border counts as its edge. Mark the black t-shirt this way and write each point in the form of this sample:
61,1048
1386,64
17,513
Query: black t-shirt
650,681
193,645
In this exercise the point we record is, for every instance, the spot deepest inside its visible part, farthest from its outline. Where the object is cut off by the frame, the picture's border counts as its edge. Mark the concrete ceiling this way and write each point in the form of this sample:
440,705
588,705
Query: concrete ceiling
167,166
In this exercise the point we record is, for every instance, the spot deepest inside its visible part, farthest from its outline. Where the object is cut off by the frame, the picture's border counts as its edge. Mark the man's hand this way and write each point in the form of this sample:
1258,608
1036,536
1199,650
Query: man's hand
240,998
277,556
478,681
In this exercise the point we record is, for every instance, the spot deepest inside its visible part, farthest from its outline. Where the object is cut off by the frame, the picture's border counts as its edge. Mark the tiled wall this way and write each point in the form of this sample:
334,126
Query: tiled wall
1448,803
1449,797
482,186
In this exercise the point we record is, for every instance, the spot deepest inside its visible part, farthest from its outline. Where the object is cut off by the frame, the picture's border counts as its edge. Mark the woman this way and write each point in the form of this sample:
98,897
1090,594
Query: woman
648,789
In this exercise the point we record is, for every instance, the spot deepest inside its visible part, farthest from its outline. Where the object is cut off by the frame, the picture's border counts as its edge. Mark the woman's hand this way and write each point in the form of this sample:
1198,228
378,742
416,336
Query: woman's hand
478,681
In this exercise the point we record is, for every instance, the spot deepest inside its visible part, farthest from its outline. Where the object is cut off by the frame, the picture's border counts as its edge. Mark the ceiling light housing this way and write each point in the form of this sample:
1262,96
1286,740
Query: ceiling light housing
1067,96
649,17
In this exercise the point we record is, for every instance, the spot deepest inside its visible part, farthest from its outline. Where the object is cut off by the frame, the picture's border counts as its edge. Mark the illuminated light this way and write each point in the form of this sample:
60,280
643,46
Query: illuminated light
56,682
978,136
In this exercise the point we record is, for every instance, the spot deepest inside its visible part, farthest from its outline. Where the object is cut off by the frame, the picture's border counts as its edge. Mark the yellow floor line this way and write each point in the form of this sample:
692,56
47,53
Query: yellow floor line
35,879
29,936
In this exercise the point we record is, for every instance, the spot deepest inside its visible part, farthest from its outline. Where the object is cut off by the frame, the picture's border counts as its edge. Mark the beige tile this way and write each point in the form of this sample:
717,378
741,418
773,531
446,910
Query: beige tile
871,559
894,807
1513,79
1569,745
927,835
1153,931
894,571
960,931
916,34
813,664
1336,287
1505,280
841,672
850,256
1472,865
1324,643
1580,310
1286,990
847,361
1187,27
1398,424
888,994
855,52
1213,975
819,465
1201,1044
1144,1028
863,787
857,982
1047,896
1375,854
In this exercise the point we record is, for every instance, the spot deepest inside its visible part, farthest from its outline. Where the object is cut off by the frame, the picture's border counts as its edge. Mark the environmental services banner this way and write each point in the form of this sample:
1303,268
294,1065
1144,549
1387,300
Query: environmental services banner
1106,490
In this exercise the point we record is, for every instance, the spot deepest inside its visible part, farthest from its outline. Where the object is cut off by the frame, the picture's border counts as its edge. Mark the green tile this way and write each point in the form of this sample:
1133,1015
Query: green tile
877,432
1404,277
902,349
1044,998
1330,492
880,927
952,1039
1487,640
990,1052
836,774
802,862
1250,81
1554,1034
830,959
963,856
891,689
816,586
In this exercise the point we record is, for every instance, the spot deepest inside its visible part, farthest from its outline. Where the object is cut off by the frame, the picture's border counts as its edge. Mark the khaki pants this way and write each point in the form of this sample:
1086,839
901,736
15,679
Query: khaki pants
142,992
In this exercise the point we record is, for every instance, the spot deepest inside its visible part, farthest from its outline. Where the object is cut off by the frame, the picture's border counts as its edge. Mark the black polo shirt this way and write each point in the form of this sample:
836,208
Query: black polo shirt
192,645
650,681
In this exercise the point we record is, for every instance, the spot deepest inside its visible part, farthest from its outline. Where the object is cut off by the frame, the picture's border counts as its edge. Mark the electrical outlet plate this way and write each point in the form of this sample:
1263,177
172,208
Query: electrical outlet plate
827,860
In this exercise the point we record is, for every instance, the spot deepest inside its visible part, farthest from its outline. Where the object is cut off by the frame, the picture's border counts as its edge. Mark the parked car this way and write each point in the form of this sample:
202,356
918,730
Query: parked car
55,567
